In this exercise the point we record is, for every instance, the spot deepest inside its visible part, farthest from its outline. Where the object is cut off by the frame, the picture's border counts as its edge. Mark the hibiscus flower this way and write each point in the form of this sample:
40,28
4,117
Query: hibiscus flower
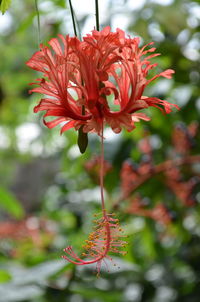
90,83
97,81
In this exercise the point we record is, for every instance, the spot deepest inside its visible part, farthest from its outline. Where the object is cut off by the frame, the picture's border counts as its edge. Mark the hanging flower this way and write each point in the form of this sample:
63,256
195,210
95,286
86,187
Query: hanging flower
88,84
96,81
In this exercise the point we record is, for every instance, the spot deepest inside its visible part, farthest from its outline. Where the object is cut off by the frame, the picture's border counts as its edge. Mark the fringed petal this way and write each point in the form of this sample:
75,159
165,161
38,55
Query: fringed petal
67,126
55,122
56,46
80,76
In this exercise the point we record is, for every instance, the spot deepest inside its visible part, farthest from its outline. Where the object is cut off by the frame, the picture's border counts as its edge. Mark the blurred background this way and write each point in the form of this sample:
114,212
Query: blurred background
49,191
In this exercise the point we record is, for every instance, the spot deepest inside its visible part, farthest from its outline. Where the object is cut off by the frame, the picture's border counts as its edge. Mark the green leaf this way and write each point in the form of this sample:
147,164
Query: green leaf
4,5
4,276
10,204
90,293
61,3
25,23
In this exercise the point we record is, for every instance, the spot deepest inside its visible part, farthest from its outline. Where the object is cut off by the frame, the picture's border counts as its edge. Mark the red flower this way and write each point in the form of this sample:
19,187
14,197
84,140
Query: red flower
84,81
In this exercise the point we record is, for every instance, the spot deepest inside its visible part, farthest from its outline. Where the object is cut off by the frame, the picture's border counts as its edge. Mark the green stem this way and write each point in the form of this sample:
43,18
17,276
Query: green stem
38,22
73,17
97,14
78,27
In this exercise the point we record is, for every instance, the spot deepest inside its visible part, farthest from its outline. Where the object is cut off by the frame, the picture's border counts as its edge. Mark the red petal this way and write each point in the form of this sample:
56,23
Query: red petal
56,46
67,126
55,122
56,112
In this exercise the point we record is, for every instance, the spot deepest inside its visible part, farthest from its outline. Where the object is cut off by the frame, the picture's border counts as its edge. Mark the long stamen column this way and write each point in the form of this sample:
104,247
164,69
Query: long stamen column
107,234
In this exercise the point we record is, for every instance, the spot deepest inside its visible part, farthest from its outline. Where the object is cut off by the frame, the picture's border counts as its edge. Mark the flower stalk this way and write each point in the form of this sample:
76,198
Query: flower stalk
38,22
97,14
102,174
73,18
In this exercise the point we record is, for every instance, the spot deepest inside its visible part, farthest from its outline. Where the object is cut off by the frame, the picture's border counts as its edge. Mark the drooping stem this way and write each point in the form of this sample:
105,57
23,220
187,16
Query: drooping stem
38,22
73,18
97,14
102,173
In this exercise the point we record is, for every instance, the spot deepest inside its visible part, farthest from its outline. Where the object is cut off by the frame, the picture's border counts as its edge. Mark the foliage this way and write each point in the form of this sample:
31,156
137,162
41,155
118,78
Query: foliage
10,203
45,176
4,5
